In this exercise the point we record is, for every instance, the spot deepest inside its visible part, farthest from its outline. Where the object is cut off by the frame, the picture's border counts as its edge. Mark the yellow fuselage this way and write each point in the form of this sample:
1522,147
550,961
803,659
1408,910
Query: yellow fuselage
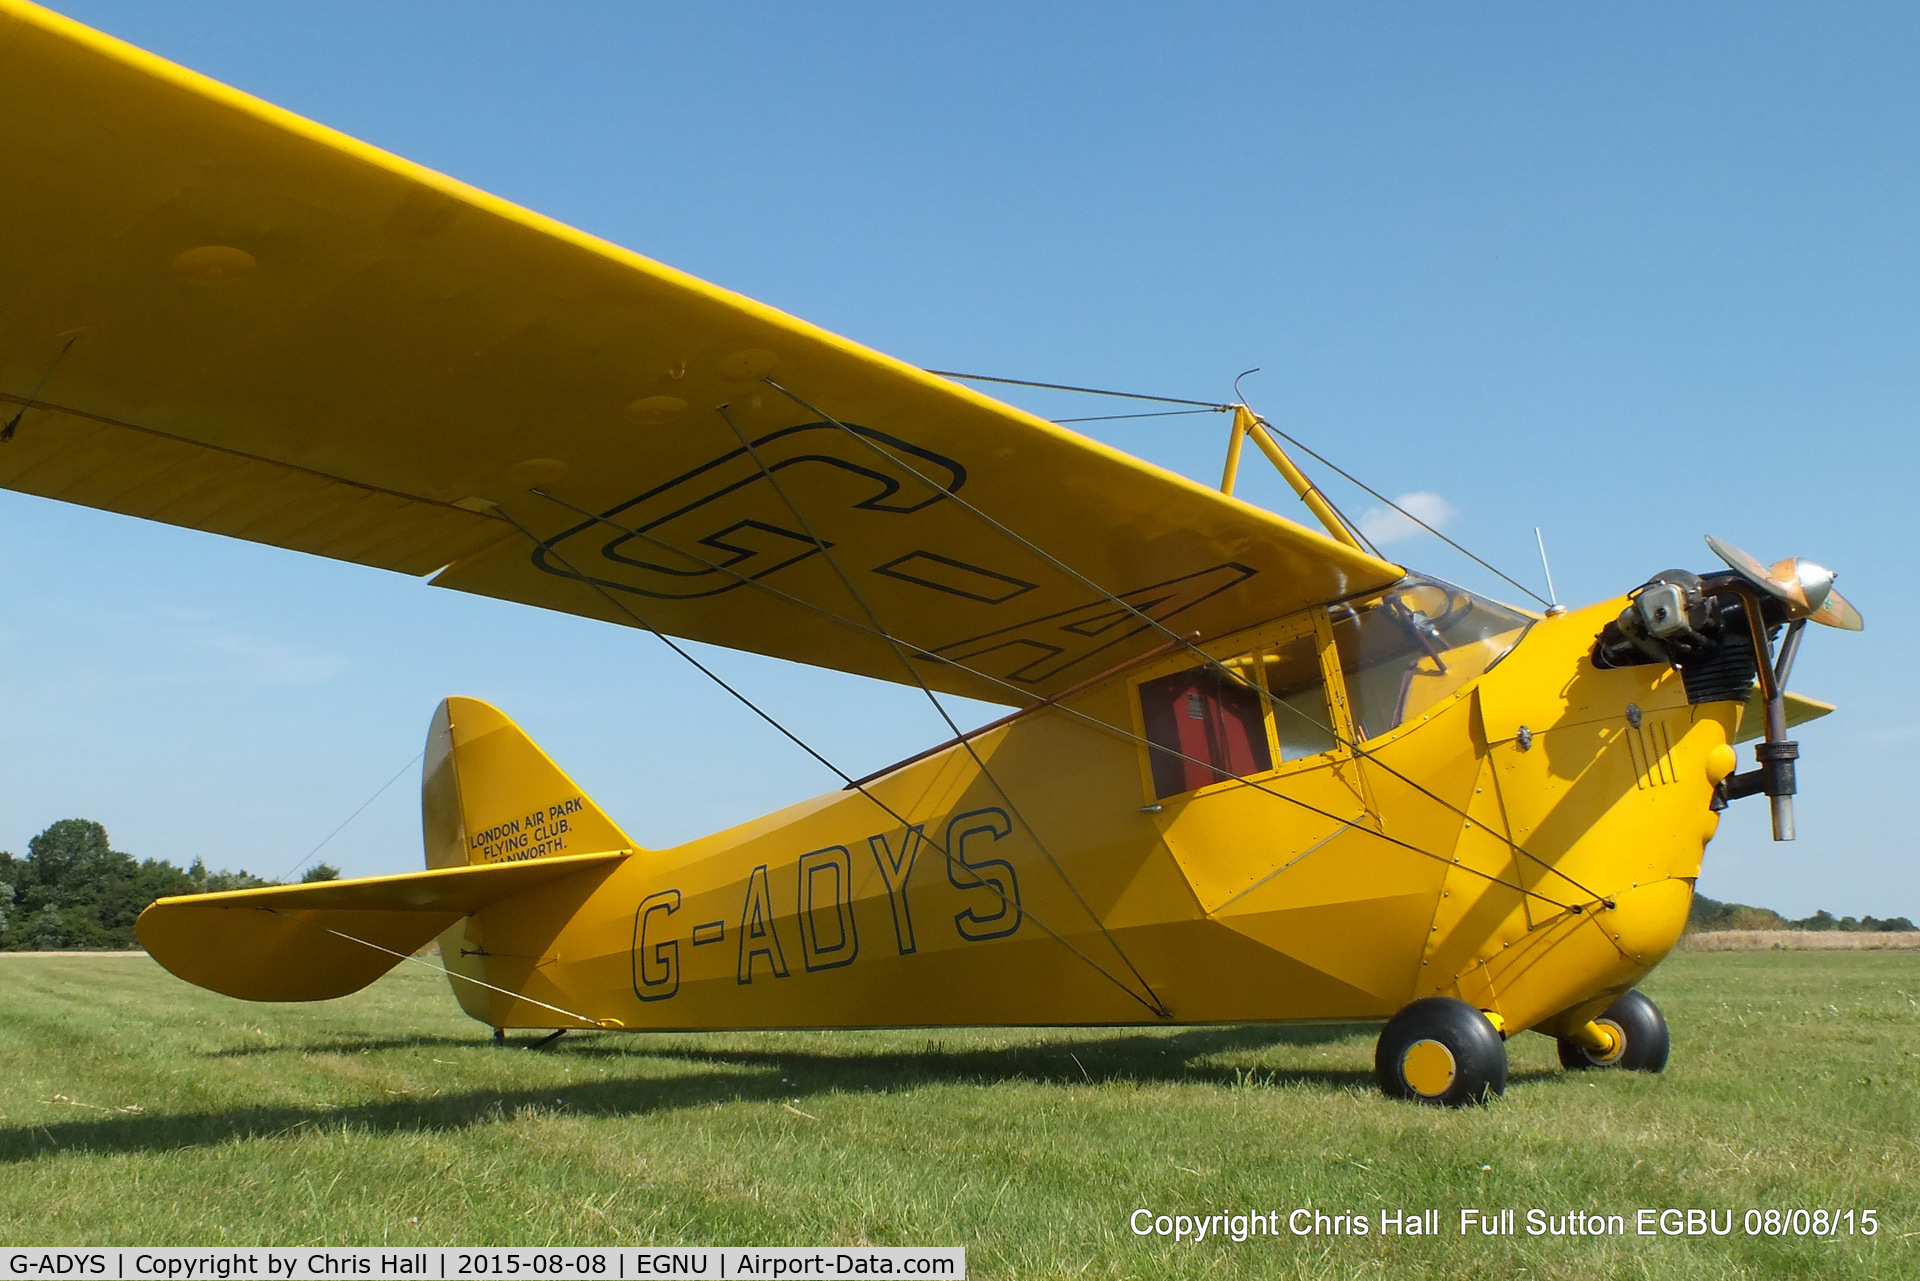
1529,844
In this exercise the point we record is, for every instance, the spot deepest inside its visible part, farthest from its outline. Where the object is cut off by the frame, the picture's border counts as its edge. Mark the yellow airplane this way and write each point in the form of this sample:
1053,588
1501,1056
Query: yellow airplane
1254,771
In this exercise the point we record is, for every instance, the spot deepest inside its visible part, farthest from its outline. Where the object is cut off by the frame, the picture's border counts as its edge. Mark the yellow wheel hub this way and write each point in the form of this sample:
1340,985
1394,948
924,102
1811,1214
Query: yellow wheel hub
1616,1045
1428,1068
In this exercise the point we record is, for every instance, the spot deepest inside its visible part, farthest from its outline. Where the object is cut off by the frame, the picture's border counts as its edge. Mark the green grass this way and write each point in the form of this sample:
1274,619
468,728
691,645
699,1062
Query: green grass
388,1118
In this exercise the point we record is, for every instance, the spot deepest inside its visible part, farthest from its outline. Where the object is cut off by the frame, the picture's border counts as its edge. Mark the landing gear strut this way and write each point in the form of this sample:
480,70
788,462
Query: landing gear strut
1630,1034
1440,1051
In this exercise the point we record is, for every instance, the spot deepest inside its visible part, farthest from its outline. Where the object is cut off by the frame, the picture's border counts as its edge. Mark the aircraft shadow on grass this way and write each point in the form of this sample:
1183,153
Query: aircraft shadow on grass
770,1075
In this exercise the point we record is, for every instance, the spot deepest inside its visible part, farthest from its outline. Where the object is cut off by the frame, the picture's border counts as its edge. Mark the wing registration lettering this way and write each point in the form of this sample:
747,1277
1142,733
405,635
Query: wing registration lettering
955,577
1046,648
726,510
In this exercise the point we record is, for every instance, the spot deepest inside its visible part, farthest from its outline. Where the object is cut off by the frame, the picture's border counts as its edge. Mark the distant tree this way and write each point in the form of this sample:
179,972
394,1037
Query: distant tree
206,882
73,890
158,878
70,875
1824,920
1711,914
72,864
320,872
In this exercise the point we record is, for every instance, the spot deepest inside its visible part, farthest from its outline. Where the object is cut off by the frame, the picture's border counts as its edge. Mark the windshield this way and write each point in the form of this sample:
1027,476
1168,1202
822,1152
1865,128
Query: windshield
1416,645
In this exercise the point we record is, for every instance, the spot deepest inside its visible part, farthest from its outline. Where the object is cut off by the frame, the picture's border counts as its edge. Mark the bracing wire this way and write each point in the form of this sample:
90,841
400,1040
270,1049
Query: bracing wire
1350,477
803,745
939,707
1109,418
1085,718
13,423
441,969
1087,391
1211,407
378,793
1129,607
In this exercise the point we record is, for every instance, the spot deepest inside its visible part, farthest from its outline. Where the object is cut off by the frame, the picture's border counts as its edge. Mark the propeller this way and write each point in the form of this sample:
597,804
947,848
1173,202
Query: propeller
1804,588
1805,591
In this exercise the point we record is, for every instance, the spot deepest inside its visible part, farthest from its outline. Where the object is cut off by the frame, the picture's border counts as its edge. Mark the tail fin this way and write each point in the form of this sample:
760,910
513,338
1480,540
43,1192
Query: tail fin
488,794
501,821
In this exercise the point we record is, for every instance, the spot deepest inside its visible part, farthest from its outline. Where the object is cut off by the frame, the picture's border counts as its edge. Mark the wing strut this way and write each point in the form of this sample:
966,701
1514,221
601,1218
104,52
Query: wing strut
1205,658
1117,730
1358,483
1248,425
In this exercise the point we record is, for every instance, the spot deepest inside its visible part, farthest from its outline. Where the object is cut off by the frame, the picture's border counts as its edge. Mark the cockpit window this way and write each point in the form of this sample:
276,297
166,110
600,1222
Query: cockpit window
1213,725
1416,645
1297,693
1206,725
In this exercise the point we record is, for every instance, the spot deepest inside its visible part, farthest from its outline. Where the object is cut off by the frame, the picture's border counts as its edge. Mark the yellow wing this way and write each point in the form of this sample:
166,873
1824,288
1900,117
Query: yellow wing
222,316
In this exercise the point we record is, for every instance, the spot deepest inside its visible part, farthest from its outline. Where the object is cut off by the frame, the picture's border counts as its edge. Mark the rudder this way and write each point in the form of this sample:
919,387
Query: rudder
489,794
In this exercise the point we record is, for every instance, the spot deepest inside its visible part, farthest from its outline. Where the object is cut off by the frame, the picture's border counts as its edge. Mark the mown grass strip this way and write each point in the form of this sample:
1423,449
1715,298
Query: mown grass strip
136,1109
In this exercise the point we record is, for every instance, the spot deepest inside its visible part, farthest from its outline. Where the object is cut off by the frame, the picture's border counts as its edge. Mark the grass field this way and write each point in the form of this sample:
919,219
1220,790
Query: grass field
137,1109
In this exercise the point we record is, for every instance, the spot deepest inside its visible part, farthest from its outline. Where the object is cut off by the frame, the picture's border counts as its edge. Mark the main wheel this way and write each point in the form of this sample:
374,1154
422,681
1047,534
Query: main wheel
1441,1051
1640,1033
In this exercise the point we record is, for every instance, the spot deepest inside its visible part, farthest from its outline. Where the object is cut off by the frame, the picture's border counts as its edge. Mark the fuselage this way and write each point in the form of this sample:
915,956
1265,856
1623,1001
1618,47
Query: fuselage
1322,834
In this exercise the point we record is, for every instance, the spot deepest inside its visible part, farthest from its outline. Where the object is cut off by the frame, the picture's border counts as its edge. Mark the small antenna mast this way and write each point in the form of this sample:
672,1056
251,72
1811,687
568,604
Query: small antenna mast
1553,598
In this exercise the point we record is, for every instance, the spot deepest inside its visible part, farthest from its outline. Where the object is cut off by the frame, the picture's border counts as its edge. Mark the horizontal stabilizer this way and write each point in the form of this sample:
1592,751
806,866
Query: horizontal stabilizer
315,942
1753,717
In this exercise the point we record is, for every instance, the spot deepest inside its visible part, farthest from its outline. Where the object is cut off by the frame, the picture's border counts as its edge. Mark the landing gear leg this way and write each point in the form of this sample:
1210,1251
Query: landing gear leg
1441,1051
1631,1033
500,1036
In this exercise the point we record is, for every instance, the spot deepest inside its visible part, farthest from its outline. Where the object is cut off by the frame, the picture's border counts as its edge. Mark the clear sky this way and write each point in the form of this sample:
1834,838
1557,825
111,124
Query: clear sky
1630,273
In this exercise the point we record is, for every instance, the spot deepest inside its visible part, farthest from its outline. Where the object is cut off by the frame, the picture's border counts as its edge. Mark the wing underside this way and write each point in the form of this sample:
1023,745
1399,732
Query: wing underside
226,317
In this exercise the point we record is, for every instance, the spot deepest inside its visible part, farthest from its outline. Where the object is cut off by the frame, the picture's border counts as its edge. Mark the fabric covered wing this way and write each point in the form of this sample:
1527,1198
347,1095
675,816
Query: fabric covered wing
223,316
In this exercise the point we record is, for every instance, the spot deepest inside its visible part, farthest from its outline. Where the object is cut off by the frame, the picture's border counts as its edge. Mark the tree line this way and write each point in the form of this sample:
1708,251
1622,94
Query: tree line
74,892
1712,914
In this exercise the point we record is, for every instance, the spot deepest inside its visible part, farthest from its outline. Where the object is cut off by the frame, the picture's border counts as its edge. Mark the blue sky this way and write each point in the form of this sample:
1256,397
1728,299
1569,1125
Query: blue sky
1630,273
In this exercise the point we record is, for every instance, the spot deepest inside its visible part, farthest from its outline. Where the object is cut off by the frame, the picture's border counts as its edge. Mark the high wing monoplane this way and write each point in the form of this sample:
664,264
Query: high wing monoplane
1252,770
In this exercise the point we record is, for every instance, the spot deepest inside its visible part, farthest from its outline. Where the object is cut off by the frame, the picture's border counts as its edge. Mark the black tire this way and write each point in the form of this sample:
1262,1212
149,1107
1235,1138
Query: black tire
1472,1069
1642,1030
